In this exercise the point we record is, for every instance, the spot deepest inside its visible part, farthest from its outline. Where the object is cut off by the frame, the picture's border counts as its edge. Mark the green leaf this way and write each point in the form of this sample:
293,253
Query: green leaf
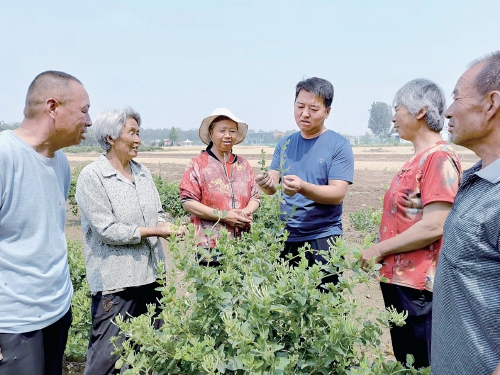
300,299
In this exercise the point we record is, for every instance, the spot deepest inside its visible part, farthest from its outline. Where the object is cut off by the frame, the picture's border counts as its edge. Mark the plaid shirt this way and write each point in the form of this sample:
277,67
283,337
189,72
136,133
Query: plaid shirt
466,307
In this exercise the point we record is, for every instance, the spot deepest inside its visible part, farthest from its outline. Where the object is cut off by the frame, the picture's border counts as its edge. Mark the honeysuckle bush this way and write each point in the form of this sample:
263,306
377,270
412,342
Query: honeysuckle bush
169,196
366,220
254,314
79,333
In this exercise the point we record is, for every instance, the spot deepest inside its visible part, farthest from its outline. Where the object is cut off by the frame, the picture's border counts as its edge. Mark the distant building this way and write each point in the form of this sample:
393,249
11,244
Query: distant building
168,142
157,142
263,138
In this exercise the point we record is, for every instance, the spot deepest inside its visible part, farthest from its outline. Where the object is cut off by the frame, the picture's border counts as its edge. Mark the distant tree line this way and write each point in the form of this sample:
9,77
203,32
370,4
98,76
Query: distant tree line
8,125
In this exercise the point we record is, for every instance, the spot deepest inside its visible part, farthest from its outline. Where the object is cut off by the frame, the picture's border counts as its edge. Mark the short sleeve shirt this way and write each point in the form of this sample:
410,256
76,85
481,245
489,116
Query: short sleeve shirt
318,160
466,303
431,176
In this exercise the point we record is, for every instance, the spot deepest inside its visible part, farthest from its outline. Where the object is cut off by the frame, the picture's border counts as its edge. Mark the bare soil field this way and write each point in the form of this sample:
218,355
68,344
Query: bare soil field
374,169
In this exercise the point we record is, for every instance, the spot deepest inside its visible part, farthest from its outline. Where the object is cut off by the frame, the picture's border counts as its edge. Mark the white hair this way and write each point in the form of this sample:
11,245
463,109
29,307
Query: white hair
110,123
422,93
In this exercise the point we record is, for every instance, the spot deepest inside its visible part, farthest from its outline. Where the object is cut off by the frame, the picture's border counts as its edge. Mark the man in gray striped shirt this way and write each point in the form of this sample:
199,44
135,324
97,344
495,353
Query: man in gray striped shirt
466,306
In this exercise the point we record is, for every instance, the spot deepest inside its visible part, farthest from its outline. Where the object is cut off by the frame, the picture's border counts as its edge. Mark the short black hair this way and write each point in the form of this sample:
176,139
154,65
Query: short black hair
318,86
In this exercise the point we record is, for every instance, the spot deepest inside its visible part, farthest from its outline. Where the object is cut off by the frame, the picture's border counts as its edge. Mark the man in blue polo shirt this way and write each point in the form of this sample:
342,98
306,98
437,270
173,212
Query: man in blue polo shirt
315,166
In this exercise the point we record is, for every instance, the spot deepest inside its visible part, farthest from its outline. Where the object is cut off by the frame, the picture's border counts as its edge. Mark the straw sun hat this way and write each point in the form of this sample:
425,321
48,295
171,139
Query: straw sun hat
205,135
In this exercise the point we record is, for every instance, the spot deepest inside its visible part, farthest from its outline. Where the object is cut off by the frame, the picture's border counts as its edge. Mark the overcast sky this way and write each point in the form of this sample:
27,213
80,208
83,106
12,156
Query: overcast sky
176,61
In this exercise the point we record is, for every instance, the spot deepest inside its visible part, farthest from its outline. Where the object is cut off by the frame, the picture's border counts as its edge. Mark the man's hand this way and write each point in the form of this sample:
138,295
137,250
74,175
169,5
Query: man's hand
291,184
265,181
370,256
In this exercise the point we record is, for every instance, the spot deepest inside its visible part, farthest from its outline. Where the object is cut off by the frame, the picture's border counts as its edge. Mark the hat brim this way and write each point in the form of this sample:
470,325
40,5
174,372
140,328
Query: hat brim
205,124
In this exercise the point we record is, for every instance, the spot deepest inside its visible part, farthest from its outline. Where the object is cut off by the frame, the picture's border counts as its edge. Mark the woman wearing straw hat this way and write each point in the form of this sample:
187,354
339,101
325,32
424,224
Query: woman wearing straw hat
218,180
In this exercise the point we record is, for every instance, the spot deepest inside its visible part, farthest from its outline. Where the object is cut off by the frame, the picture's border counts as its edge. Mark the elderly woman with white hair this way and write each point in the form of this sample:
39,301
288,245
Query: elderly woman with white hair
414,210
122,218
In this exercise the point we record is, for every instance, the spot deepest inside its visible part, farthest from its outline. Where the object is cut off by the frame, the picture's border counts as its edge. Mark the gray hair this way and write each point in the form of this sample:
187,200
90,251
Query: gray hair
422,93
110,123
488,79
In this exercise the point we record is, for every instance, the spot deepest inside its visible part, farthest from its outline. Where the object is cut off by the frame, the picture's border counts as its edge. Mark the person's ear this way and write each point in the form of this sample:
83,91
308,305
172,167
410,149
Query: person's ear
421,114
493,104
110,140
52,106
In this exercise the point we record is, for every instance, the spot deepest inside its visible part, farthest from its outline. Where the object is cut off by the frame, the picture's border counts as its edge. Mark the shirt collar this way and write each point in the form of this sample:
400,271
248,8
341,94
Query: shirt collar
108,170
490,173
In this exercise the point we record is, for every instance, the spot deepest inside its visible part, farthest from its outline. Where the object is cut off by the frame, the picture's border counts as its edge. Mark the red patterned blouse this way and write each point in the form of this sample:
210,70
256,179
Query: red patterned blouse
207,181
431,176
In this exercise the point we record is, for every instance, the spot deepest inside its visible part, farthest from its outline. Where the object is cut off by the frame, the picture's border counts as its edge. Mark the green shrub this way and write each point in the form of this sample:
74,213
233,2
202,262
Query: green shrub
169,196
254,314
72,189
366,220
79,333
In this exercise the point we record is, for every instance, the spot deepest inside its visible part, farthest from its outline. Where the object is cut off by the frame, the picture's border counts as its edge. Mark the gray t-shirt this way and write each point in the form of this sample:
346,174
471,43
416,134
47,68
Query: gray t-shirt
35,286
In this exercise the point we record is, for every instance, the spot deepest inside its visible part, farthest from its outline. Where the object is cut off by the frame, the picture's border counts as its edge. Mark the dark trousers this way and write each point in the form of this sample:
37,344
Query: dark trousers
37,352
312,257
131,302
415,336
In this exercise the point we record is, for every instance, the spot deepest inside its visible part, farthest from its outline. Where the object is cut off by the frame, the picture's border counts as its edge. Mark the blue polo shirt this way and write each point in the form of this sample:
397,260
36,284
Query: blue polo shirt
326,157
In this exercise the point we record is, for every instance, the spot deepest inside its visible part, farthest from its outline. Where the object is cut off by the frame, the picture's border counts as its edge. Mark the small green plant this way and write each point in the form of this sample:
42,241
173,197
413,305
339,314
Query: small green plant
263,162
72,189
79,333
366,220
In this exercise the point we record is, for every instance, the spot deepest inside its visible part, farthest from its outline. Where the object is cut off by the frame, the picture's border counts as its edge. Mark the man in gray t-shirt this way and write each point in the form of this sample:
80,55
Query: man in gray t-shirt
35,285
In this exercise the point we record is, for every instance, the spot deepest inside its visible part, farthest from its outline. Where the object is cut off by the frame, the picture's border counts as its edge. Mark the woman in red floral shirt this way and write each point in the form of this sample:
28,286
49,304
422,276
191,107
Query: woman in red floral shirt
415,208
218,186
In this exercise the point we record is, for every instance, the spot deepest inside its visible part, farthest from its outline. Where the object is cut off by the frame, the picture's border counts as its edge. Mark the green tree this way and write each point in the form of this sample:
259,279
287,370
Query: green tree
174,135
380,118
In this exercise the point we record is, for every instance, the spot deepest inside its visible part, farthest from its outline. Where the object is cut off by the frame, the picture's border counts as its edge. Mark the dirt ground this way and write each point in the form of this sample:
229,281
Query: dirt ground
374,169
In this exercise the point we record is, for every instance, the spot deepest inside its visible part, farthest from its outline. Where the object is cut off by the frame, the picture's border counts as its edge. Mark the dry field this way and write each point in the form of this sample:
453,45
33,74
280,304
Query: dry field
374,169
